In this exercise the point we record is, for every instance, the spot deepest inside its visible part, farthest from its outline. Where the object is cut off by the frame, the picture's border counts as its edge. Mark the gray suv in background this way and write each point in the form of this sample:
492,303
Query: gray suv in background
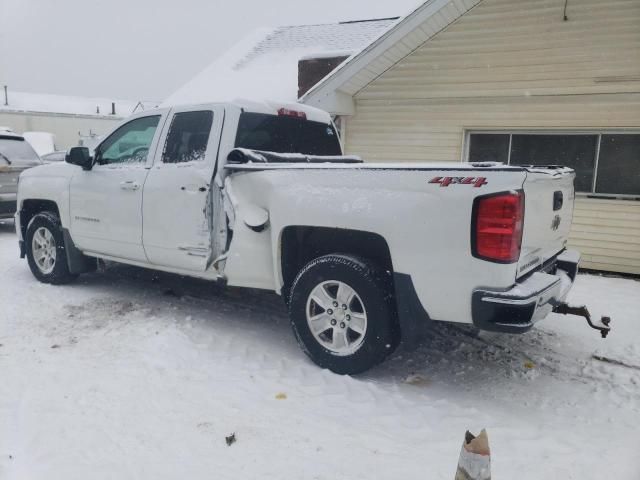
16,155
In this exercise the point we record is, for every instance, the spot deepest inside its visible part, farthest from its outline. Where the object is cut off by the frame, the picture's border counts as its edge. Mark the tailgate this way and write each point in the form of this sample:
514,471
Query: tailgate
549,197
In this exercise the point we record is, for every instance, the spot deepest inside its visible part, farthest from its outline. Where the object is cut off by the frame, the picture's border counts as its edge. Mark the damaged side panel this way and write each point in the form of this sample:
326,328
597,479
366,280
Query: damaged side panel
249,259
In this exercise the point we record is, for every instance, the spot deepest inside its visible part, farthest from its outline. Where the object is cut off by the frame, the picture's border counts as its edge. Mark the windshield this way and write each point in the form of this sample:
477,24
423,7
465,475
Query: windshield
16,148
283,134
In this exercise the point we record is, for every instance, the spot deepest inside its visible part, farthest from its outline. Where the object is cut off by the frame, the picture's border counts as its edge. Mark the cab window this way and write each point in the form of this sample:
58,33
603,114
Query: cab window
188,137
130,143
284,134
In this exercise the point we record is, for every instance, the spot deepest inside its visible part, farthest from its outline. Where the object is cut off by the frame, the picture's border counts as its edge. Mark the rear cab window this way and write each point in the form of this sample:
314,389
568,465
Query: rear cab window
284,134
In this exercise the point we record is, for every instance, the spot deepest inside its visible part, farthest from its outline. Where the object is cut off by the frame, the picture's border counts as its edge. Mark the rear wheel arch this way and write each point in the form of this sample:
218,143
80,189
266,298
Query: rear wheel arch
299,244
342,314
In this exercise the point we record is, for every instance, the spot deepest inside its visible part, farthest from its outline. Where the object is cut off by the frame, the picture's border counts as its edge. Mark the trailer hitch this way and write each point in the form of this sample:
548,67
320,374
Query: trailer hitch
582,311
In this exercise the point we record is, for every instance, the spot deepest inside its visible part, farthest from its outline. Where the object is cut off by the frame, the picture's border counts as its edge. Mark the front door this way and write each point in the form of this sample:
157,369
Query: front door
106,201
177,208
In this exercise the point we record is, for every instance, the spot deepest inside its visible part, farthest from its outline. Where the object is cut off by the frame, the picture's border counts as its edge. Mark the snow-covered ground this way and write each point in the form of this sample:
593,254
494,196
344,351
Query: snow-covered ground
128,374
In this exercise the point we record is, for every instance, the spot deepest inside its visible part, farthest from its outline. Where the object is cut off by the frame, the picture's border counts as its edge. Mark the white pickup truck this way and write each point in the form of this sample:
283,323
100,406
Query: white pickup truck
259,195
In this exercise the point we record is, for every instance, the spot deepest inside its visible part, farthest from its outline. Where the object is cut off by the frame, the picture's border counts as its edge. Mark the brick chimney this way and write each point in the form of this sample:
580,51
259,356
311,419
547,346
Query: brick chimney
312,70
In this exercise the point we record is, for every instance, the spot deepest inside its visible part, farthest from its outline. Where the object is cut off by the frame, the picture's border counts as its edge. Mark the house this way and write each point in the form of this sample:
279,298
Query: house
535,82
541,81
268,63
70,119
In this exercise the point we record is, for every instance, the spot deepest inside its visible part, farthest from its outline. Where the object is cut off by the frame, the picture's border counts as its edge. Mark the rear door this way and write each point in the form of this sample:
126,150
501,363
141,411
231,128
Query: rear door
549,198
177,208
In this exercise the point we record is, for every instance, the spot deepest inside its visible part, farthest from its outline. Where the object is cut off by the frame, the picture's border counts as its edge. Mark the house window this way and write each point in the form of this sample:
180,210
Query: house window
605,163
619,165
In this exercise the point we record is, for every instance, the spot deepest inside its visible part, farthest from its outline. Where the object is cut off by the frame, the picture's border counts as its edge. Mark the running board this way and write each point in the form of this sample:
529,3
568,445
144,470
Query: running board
582,311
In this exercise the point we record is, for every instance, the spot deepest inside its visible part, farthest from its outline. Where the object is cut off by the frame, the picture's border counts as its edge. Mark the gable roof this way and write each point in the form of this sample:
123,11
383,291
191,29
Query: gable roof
335,92
265,64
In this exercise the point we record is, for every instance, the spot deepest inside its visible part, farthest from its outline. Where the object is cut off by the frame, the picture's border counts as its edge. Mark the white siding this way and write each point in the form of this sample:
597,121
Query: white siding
510,64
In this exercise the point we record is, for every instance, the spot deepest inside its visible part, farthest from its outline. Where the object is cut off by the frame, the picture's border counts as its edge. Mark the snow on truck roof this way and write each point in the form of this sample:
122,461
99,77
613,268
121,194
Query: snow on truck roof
273,107
265,63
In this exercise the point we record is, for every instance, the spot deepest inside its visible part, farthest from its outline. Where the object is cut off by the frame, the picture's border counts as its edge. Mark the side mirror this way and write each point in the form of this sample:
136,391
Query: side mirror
79,156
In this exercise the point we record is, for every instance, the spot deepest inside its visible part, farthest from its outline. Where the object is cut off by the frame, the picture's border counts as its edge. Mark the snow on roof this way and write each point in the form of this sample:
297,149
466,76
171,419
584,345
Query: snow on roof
265,64
70,105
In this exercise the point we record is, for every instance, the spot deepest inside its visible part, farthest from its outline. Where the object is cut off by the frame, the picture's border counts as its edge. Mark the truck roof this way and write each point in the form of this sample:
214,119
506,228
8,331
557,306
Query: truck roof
271,107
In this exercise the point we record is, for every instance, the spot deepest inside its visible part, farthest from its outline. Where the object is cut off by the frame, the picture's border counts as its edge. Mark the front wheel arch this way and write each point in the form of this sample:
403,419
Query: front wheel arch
48,222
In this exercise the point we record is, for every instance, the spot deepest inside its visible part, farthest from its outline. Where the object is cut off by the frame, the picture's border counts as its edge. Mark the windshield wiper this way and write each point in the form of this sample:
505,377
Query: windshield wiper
5,158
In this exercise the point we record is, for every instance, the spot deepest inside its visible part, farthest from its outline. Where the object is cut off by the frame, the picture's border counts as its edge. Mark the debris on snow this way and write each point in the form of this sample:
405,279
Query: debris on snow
416,379
475,458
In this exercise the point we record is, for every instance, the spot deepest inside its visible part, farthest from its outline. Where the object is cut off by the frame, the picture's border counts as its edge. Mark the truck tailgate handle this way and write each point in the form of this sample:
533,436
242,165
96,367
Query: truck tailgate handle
130,185
558,200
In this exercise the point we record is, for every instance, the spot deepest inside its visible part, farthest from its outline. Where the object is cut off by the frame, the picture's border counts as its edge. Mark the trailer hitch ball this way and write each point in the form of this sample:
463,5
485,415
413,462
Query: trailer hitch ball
565,309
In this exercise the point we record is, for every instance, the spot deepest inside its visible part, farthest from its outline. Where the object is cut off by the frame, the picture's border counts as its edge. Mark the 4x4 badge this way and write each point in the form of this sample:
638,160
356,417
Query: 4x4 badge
446,181
555,223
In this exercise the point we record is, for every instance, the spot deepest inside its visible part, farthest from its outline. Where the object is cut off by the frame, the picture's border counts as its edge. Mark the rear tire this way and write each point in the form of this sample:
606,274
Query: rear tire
45,250
342,314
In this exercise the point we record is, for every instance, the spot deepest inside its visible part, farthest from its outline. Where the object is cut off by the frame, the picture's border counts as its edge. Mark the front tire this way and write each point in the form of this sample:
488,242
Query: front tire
341,313
45,250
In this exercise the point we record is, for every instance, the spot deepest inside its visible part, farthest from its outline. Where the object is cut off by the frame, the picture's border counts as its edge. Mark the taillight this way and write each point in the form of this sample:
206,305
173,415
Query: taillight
286,112
497,227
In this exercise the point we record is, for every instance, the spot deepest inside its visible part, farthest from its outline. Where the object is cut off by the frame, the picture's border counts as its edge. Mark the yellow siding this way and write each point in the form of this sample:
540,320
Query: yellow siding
607,232
511,64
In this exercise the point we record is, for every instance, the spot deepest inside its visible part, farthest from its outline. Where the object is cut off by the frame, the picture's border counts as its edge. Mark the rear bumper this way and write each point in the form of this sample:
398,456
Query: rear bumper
516,310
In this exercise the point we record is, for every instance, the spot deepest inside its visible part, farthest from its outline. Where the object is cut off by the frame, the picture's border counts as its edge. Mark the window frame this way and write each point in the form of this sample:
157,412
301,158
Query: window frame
595,132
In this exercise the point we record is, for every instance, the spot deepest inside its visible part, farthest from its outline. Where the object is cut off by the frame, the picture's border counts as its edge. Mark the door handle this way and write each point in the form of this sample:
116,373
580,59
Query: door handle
193,188
130,185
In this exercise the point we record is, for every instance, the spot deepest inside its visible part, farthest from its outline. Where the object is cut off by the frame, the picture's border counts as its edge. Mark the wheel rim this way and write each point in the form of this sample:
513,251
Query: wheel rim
336,317
43,247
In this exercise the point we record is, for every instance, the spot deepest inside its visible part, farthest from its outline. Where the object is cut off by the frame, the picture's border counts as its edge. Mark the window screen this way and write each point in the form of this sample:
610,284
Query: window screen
574,151
489,147
188,137
616,171
619,165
